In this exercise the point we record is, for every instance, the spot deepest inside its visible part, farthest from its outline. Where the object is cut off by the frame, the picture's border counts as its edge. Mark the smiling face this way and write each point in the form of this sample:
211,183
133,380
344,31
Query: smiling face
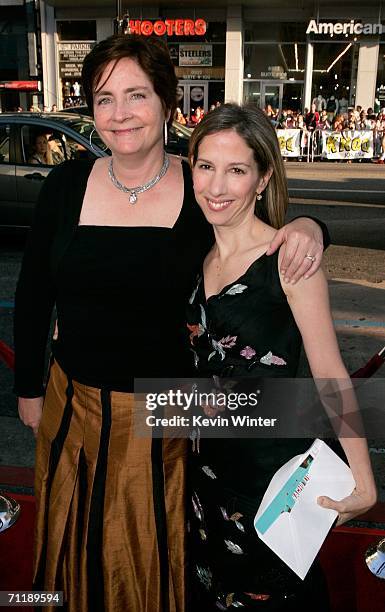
227,179
128,114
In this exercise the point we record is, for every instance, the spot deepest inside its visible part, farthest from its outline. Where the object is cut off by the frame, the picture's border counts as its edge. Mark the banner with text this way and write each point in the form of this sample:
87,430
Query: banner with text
195,55
289,142
348,144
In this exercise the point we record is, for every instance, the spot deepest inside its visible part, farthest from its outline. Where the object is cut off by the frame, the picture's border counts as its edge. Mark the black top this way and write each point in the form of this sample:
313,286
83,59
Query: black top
120,292
247,329
247,332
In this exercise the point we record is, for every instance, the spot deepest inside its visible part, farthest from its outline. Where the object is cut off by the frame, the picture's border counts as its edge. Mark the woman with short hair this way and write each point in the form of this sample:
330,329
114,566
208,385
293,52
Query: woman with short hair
115,246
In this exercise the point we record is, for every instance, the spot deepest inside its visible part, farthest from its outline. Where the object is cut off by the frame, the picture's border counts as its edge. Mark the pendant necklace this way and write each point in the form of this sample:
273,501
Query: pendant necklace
134,191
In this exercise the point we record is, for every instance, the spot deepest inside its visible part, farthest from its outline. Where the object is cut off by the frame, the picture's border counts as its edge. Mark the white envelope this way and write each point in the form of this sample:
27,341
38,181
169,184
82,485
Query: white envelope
289,520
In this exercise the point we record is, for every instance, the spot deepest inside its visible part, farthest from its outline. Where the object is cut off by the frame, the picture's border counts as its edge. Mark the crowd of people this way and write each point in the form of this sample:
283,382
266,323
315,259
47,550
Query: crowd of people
353,119
191,120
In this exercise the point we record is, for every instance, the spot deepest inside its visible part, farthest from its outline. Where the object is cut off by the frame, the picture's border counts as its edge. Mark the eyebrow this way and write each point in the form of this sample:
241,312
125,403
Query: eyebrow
104,92
201,159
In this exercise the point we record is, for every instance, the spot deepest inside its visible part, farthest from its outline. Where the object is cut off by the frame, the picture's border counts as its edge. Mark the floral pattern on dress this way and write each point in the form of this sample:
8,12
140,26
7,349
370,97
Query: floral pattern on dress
270,359
204,575
248,352
199,329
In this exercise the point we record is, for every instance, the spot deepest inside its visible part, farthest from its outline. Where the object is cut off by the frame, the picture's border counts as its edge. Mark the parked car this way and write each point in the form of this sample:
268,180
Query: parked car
26,158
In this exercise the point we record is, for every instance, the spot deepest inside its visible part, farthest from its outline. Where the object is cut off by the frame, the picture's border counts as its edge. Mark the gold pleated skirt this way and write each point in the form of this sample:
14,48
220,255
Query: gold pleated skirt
110,529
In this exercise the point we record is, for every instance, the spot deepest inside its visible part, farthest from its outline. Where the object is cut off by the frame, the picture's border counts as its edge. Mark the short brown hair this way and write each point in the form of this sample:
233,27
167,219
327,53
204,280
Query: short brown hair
251,124
152,56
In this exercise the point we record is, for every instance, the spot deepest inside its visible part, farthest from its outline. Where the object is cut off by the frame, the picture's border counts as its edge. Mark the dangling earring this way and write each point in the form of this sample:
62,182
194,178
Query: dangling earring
165,134
259,196
91,143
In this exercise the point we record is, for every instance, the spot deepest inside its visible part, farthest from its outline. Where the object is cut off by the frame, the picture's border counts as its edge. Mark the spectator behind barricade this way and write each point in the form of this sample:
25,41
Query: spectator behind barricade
339,123
281,124
272,115
323,123
331,108
179,117
364,123
197,116
300,124
351,122
380,137
372,118
291,120
312,118
41,154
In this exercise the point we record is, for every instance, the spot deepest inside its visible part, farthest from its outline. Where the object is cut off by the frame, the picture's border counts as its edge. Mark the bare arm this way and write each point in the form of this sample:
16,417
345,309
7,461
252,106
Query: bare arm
303,246
309,302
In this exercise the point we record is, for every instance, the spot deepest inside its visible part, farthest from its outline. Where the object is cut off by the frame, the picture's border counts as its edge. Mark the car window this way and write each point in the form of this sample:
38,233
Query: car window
4,144
47,147
86,128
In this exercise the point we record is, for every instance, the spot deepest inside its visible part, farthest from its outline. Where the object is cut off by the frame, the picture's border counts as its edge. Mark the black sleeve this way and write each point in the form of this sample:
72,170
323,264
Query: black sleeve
323,226
35,290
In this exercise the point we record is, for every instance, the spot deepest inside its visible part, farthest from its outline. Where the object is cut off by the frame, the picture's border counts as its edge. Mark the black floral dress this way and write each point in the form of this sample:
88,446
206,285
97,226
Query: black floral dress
248,331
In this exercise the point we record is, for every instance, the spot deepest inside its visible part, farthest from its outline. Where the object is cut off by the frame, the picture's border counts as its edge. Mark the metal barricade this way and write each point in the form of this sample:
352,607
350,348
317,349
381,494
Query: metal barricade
378,142
318,144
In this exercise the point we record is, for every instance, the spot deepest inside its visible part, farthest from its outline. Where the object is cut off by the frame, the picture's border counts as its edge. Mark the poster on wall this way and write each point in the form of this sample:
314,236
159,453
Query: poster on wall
289,142
71,56
195,55
348,144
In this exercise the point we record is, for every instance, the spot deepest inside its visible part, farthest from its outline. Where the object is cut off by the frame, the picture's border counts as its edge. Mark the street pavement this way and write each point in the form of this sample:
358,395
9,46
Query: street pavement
350,198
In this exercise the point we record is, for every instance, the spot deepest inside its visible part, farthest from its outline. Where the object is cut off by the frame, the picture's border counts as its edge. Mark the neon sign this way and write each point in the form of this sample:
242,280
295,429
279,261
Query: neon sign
171,27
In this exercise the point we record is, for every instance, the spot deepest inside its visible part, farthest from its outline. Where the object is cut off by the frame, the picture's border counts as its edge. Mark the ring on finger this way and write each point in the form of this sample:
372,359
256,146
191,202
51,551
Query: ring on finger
311,257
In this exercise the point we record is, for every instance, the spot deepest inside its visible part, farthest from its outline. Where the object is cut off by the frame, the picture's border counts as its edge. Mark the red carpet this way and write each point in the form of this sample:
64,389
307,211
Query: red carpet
352,587
16,551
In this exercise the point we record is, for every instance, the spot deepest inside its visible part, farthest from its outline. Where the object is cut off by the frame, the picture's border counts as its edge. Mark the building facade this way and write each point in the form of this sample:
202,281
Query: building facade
289,55
20,60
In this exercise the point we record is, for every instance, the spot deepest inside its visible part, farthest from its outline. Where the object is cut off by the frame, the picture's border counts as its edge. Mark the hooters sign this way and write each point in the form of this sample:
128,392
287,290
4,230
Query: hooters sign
171,27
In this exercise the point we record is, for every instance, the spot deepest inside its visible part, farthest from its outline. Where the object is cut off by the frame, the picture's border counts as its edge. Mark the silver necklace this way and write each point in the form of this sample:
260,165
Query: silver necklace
134,191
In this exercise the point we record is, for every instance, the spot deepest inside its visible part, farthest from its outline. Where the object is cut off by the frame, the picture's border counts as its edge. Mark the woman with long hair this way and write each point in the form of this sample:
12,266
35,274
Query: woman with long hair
247,322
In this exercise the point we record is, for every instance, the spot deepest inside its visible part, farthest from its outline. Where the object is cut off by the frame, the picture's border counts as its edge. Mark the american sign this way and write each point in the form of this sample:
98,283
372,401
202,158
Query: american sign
346,28
176,27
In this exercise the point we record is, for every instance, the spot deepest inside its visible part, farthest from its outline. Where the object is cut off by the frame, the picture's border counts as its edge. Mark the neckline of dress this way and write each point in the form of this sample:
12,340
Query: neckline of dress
234,282
185,170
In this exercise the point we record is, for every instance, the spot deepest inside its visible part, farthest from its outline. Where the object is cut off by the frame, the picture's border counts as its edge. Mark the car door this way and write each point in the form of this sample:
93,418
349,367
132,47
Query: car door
33,167
30,172
7,174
